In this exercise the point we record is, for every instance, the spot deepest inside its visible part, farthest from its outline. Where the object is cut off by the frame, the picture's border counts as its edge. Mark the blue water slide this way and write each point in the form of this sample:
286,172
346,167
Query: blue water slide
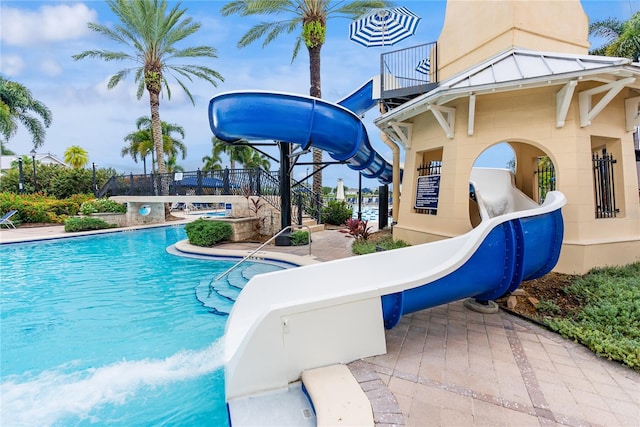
298,119
515,250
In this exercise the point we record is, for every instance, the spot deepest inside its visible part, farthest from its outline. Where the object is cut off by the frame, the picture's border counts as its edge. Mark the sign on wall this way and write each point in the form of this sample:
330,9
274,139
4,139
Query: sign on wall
427,192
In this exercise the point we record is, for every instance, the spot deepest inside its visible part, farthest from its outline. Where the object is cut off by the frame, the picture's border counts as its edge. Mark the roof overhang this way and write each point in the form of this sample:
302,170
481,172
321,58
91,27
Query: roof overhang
504,73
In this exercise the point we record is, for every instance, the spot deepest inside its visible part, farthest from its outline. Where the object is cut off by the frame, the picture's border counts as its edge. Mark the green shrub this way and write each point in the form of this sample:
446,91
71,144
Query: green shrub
609,321
102,206
84,224
202,232
336,212
36,208
299,238
362,247
548,307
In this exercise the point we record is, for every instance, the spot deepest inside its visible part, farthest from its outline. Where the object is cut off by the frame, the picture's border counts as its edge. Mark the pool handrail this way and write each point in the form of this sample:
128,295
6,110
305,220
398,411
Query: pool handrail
236,265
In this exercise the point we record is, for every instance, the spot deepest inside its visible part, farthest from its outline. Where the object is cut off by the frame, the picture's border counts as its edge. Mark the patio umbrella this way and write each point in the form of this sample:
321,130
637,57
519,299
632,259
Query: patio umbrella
384,27
424,66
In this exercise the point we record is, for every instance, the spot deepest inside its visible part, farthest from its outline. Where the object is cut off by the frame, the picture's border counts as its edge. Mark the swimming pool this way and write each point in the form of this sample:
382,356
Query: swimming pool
107,330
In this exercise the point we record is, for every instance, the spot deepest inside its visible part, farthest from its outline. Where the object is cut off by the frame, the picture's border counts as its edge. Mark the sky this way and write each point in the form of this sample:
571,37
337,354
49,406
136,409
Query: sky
38,39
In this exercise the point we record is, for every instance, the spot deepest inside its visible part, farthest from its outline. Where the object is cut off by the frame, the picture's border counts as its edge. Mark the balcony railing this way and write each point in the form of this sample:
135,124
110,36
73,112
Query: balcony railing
409,72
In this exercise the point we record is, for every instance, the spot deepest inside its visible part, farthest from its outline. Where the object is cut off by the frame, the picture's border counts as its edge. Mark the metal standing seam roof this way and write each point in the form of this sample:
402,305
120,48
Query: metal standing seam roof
510,69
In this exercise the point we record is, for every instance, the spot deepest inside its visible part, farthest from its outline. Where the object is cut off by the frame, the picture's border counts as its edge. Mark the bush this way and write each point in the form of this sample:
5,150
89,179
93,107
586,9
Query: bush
336,213
202,232
36,208
609,320
359,229
299,238
102,206
362,247
85,224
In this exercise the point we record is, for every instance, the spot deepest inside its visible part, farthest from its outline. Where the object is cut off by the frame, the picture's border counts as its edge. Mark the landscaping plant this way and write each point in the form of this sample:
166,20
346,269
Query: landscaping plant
608,321
85,224
202,232
300,238
336,212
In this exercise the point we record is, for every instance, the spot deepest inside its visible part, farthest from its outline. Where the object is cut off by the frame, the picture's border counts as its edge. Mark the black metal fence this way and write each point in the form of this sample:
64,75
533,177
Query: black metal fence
546,178
604,185
240,182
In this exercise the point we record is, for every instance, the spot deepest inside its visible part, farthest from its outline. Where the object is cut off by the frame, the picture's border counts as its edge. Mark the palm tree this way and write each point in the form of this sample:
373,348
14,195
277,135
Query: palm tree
141,141
622,37
76,156
236,153
256,160
309,17
151,34
212,162
140,144
173,166
16,104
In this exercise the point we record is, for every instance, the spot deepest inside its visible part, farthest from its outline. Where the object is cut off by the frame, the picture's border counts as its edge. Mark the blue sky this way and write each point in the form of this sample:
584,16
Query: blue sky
38,38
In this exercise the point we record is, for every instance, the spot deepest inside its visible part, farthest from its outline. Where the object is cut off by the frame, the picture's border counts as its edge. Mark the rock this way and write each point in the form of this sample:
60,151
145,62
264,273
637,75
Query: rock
512,301
519,292
533,301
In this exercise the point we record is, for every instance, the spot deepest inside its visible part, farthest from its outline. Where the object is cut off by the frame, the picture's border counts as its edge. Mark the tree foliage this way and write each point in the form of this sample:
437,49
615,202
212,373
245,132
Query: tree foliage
622,38
17,106
151,36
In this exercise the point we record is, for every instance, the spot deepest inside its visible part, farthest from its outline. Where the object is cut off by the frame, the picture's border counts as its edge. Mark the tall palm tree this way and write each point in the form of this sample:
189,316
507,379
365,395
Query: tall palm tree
172,164
16,106
622,37
151,35
309,18
256,160
141,141
76,156
236,153
212,162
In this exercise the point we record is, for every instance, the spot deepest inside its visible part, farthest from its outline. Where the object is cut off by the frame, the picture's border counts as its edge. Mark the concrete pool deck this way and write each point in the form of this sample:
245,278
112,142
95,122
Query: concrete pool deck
449,366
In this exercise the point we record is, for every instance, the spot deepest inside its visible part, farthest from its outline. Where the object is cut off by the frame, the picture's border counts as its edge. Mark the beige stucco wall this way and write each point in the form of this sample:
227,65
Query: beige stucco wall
492,26
528,118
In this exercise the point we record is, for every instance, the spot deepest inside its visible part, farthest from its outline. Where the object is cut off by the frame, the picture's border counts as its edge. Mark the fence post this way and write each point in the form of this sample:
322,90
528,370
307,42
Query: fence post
130,183
225,182
199,188
258,187
299,209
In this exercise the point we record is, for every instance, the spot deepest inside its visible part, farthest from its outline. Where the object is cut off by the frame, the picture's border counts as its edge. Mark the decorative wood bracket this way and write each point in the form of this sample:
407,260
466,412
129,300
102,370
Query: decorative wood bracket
403,132
563,101
447,124
632,113
587,113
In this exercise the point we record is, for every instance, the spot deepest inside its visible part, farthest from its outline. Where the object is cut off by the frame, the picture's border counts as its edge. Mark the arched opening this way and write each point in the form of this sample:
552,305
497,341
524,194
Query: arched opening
533,169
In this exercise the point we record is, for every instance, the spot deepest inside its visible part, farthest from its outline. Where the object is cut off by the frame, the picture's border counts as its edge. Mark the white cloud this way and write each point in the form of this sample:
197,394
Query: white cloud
51,67
11,65
48,24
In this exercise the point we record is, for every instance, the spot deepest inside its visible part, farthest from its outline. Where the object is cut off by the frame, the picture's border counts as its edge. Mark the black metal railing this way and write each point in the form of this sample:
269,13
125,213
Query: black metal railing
240,182
546,174
409,72
604,185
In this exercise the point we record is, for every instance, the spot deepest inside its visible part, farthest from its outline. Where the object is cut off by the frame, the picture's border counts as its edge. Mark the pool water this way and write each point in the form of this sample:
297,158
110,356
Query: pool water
107,330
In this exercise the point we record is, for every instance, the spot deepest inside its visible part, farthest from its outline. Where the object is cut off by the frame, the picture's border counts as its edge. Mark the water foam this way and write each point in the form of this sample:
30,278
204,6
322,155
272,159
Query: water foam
54,394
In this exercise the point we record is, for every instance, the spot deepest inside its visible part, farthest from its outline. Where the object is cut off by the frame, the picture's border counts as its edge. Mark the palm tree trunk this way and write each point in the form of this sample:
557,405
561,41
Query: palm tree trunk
314,90
156,130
